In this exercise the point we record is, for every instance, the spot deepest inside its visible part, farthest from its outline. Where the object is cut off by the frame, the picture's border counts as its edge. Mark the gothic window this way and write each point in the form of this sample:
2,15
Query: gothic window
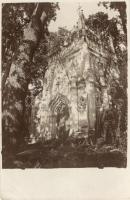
82,102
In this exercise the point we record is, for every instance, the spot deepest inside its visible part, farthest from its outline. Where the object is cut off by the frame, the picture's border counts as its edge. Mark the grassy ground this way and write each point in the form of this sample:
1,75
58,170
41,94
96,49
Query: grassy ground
71,154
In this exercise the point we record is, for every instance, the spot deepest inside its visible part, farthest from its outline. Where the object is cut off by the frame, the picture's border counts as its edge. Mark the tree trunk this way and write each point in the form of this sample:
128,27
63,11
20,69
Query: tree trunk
17,83
6,74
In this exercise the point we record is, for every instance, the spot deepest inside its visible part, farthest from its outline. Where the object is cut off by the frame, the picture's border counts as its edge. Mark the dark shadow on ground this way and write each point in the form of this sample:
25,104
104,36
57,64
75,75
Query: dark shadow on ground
69,155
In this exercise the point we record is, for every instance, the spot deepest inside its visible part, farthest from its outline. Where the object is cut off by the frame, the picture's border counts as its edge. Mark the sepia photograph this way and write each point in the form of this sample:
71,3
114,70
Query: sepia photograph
64,85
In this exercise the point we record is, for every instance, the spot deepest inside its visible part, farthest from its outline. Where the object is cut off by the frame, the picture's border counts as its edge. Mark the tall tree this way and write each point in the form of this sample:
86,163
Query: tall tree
16,85
107,28
14,19
120,45
120,6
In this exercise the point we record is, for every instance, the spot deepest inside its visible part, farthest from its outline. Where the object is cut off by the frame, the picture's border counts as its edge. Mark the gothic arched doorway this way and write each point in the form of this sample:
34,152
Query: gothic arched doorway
59,109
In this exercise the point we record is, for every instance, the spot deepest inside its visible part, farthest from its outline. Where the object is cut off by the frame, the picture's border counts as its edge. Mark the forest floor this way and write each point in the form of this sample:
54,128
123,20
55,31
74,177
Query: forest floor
71,154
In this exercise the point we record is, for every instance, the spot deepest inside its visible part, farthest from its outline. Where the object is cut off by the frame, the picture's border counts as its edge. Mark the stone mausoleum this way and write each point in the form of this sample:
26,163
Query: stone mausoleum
69,93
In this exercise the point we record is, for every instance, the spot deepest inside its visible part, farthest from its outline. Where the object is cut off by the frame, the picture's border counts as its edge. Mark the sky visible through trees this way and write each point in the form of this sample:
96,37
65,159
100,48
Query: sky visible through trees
68,14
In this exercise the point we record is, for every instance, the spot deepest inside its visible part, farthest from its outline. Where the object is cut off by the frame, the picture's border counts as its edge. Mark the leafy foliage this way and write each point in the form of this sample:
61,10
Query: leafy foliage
15,16
119,89
120,6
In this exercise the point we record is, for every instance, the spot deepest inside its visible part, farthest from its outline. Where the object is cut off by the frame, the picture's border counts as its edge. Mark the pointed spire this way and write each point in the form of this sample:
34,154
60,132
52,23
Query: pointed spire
81,21
79,10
